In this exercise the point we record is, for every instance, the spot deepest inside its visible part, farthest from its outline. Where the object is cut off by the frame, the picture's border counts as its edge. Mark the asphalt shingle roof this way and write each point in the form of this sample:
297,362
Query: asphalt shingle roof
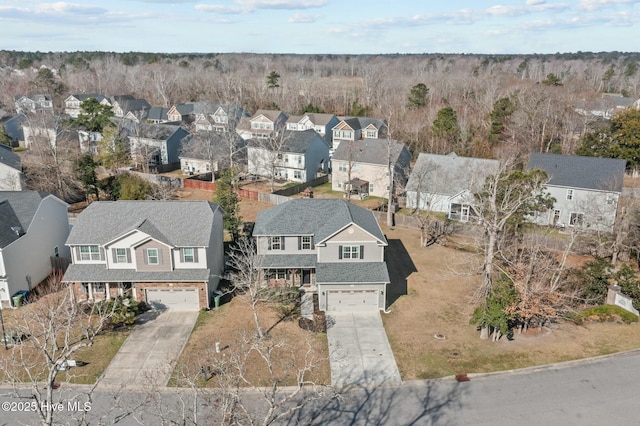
17,208
369,151
352,272
10,159
177,223
98,273
318,217
580,172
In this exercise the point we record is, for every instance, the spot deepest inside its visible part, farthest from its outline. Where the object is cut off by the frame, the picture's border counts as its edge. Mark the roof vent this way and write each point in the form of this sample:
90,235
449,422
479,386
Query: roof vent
18,230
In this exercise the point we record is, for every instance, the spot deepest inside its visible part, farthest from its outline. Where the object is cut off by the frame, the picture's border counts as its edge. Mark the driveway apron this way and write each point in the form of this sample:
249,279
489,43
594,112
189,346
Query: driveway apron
359,350
149,354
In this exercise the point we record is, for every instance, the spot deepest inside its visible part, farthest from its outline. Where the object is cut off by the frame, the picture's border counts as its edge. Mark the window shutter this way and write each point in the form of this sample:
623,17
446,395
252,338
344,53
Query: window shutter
182,255
114,254
159,256
313,247
361,252
195,254
77,252
299,243
101,253
128,251
282,242
145,255
339,252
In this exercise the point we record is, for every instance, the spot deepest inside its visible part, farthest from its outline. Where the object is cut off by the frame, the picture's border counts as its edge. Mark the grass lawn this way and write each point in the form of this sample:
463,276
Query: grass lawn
229,323
437,302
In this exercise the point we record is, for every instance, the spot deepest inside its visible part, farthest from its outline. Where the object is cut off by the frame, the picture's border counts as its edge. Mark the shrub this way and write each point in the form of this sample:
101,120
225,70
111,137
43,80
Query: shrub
607,313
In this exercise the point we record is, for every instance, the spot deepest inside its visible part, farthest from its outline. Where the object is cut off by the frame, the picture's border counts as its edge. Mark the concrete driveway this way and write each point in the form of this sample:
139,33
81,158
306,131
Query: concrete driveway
359,350
148,356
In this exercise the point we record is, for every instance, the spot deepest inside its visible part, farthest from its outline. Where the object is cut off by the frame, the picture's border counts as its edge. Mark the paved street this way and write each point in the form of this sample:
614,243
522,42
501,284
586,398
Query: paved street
147,357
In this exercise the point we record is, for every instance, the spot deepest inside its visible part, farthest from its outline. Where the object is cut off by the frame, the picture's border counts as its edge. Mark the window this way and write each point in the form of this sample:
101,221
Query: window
56,252
371,134
297,174
569,194
277,274
188,255
306,243
610,198
121,255
370,188
89,253
153,257
350,252
577,219
342,166
276,243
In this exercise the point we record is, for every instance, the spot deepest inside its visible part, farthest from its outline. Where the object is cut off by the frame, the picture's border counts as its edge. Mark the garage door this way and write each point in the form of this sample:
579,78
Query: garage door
173,298
345,300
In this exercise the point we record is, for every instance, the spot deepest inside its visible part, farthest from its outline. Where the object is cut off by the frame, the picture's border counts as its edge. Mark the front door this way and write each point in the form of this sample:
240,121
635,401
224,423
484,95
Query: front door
464,213
306,276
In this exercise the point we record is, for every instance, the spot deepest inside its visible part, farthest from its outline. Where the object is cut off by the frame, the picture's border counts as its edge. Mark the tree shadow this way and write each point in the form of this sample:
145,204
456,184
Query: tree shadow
400,266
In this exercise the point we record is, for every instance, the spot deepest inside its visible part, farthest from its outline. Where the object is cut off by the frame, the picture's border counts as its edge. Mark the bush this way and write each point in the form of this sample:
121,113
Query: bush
607,313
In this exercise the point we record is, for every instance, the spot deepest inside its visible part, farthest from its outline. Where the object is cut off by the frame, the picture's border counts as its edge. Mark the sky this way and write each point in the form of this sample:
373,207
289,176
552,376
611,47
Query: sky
322,26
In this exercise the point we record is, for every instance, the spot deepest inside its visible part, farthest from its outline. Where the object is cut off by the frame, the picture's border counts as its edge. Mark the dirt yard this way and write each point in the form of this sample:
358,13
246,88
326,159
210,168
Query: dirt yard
439,281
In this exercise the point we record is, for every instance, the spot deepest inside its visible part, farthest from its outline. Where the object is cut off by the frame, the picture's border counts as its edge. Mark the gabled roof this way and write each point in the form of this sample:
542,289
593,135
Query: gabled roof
13,126
10,159
358,123
128,105
159,131
177,223
449,174
320,217
370,151
84,96
269,113
17,209
293,141
573,171
157,113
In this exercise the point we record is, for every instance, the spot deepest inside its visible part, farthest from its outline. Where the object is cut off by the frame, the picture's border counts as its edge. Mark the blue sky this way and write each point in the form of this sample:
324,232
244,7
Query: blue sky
322,26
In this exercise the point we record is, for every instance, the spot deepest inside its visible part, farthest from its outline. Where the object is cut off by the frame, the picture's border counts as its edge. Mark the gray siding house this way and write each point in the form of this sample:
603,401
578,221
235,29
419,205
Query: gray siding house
167,253
586,190
332,249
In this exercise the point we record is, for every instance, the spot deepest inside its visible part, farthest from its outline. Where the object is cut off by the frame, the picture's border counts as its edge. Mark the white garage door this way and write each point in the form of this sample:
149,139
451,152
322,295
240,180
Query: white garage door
352,300
173,298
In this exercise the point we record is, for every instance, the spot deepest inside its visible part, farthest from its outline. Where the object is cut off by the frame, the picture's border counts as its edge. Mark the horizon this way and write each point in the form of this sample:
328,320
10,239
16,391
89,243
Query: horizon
321,27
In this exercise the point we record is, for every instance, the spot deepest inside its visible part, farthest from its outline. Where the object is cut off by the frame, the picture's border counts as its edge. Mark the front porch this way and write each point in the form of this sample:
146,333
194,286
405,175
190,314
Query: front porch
99,291
462,213
289,277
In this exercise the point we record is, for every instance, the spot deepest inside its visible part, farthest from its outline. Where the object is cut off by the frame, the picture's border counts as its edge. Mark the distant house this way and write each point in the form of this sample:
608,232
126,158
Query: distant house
225,118
331,249
446,183
606,106
157,115
262,125
586,190
33,228
362,166
357,128
13,128
11,177
157,144
205,153
321,123
34,103
47,129
294,156
169,254
124,104
72,103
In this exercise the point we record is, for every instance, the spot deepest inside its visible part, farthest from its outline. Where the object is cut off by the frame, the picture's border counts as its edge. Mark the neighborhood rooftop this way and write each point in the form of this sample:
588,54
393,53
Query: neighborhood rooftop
17,209
369,151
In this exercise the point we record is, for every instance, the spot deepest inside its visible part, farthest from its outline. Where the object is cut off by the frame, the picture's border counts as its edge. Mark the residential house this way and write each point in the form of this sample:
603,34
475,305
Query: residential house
168,254
357,128
224,119
72,103
210,152
263,124
332,249
124,104
295,156
362,166
33,228
157,115
11,177
586,190
321,123
157,144
446,183
47,129
13,128
606,106
34,103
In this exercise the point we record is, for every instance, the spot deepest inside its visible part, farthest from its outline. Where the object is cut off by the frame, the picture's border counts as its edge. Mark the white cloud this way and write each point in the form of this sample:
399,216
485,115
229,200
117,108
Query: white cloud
282,4
535,2
591,5
300,18
220,9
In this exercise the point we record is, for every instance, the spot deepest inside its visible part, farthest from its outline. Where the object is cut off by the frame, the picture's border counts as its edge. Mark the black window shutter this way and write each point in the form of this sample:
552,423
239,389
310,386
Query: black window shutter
299,243
182,255
128,255
313,247
361,252
195,254
282,242
114,254
339,252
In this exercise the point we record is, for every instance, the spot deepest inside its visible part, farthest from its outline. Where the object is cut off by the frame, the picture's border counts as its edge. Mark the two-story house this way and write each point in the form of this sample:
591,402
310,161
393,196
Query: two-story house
125,104
321,123
263,124
34,103
296,156
357,128
362,167
332,249
11,177
33,228
446,183
168,254
586,190
73,102
157,144
225,118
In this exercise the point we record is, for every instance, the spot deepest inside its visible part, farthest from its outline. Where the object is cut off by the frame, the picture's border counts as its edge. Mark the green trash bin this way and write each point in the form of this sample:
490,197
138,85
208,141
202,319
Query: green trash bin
216,301
17,300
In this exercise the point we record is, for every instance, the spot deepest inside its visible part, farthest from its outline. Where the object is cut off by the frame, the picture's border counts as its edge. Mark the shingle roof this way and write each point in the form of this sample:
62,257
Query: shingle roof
8,157
297,142
157,113
159,131
369,151
580,172
283,261
17,208
98,273
178,223
352,272
357,123
320,217
449,174
269,113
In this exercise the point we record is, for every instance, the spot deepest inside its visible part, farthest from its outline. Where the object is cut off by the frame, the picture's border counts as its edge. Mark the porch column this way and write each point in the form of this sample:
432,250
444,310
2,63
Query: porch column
90,286
120,290
107,293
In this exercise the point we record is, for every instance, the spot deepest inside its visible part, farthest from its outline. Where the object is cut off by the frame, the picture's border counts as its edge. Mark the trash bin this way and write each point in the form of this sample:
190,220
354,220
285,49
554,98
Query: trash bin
17,300
216,301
